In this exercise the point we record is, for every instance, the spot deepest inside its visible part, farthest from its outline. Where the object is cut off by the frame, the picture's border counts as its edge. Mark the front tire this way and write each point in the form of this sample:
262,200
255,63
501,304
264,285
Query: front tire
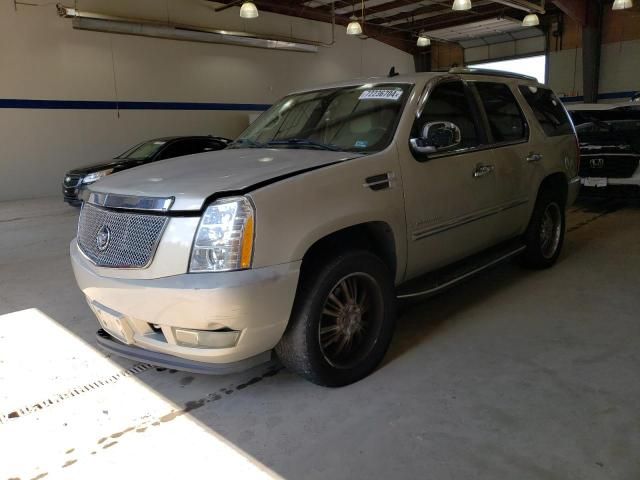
545,235
342,320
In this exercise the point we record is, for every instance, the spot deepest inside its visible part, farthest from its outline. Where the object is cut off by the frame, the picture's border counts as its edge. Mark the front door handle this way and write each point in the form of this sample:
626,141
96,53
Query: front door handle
482,170
534,157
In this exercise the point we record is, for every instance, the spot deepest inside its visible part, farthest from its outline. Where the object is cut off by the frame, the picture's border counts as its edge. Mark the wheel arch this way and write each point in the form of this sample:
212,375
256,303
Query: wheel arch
555,182
374,236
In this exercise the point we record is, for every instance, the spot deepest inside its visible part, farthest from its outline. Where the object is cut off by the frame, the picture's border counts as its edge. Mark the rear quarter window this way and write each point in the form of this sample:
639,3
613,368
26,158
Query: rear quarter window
548,110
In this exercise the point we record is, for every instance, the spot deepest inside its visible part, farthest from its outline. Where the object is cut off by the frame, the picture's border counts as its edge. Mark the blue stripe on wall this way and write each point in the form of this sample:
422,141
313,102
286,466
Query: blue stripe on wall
113,105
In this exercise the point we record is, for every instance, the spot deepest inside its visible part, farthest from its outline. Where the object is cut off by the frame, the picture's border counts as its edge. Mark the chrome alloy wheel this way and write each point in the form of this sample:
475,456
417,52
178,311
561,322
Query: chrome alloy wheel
550,230
351,320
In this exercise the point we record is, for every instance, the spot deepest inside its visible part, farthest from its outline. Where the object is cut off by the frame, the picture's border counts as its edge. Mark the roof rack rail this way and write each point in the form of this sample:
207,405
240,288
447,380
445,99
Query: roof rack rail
486,71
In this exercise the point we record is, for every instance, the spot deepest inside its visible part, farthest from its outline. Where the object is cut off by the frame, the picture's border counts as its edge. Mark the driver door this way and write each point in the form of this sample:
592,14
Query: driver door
450,193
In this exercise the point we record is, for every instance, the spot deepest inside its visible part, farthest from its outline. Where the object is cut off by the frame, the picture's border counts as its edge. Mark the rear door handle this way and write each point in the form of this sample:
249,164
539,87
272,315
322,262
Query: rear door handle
482,170
534,157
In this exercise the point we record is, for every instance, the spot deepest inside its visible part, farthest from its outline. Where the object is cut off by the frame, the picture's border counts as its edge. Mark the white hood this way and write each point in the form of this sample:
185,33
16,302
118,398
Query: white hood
193,178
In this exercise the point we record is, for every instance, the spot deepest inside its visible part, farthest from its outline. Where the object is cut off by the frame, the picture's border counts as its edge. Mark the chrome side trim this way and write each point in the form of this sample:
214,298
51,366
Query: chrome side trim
130,202
434,290
458,222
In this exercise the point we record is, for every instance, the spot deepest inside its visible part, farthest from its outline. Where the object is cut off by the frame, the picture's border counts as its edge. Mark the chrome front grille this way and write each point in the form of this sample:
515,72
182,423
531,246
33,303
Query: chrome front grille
118,239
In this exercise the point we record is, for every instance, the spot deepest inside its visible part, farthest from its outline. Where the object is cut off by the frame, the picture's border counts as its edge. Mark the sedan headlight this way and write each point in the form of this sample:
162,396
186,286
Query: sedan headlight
95,176
224,239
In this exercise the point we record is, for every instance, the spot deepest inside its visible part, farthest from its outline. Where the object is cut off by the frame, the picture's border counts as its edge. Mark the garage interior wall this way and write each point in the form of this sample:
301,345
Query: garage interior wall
619,59
43,58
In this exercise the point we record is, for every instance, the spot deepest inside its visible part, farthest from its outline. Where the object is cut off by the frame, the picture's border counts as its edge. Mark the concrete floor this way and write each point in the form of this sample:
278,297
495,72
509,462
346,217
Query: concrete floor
513,375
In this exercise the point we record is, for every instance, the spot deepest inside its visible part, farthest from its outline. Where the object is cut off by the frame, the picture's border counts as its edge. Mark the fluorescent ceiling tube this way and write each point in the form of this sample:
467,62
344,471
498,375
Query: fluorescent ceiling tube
193,34
622,4
461,5
248,10
354,27
531,20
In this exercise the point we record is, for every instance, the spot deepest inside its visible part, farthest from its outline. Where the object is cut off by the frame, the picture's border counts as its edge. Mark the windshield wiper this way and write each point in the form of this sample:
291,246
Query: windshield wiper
304,142
247,142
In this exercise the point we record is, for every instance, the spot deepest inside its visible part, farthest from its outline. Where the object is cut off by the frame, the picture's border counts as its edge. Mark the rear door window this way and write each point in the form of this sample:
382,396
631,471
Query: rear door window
506,121
548,110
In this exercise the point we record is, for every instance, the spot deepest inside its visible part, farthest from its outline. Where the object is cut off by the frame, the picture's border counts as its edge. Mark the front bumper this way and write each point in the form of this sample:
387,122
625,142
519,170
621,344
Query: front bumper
255,303
111,344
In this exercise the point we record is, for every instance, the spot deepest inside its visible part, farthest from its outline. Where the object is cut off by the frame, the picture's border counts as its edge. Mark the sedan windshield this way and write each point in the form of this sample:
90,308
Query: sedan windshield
143,151
625,119
355,119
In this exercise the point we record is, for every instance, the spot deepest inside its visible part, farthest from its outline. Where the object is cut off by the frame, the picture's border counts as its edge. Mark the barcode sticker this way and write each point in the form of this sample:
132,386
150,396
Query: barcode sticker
381,94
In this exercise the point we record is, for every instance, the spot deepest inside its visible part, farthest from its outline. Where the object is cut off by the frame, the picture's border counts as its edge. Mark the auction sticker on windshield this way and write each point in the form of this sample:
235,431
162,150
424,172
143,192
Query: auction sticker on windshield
380,94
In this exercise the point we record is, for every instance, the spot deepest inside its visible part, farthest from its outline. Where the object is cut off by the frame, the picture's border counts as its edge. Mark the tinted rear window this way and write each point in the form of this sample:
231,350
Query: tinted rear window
503,113
548,110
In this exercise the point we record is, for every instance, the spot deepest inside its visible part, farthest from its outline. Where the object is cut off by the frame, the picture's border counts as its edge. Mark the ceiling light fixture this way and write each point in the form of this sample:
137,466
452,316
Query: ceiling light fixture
461,5
423,40
622,4
248,10
531,20
354,27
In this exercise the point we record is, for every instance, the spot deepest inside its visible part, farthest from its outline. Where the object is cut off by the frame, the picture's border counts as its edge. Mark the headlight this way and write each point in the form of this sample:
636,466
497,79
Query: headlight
224,239
95,176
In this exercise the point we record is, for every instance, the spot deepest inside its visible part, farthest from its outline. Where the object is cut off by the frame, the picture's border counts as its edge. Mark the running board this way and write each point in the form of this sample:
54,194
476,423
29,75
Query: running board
446,277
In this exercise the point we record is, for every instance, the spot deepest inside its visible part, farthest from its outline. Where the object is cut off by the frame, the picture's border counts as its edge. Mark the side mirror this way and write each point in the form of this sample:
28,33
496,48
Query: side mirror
437,136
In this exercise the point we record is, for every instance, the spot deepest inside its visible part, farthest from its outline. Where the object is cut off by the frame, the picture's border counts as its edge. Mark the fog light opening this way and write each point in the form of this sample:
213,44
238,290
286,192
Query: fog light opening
224,338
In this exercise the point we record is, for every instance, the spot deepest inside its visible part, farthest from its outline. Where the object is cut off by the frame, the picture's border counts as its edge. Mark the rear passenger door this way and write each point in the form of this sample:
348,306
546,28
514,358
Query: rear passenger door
508,141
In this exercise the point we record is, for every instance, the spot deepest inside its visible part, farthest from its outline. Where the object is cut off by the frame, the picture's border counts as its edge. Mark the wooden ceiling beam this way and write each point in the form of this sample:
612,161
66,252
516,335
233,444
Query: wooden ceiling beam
398,39
440,9
455,19
575,9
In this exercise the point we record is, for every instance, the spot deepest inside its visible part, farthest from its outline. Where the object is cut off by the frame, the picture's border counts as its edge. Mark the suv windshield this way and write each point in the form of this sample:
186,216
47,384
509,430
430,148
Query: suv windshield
355,119
625,119
143,151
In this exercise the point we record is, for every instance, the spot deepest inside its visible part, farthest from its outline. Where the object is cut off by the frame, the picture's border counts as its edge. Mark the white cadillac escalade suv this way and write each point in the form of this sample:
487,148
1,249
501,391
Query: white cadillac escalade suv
298,238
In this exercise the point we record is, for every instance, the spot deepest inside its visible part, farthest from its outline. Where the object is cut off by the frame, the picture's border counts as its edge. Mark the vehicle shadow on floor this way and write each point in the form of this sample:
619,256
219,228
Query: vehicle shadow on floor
421,319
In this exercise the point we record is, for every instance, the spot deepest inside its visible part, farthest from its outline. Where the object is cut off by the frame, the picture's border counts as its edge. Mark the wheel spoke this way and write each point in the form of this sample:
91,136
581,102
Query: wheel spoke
329,311
354,289
345,290
329,329
336,301
344,339
332,339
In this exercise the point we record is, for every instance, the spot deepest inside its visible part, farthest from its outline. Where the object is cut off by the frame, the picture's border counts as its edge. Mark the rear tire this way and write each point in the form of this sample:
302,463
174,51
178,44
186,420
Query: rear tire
545,234
342,320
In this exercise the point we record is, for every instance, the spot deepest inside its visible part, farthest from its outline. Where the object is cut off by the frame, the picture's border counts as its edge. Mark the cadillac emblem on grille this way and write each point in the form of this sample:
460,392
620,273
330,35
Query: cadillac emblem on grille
597,163
103,237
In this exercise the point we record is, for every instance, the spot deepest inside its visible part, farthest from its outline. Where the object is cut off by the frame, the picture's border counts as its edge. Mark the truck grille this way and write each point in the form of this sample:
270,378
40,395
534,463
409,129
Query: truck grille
117,239
608,165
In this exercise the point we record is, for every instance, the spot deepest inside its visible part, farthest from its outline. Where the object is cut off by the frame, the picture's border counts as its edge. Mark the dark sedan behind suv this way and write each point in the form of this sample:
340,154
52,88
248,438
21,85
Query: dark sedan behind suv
75,181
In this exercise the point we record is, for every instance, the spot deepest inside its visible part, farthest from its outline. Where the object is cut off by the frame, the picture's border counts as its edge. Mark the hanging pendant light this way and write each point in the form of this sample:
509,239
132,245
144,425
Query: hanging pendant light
248,10
461,5
531,20
622,4
354,27
423,40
